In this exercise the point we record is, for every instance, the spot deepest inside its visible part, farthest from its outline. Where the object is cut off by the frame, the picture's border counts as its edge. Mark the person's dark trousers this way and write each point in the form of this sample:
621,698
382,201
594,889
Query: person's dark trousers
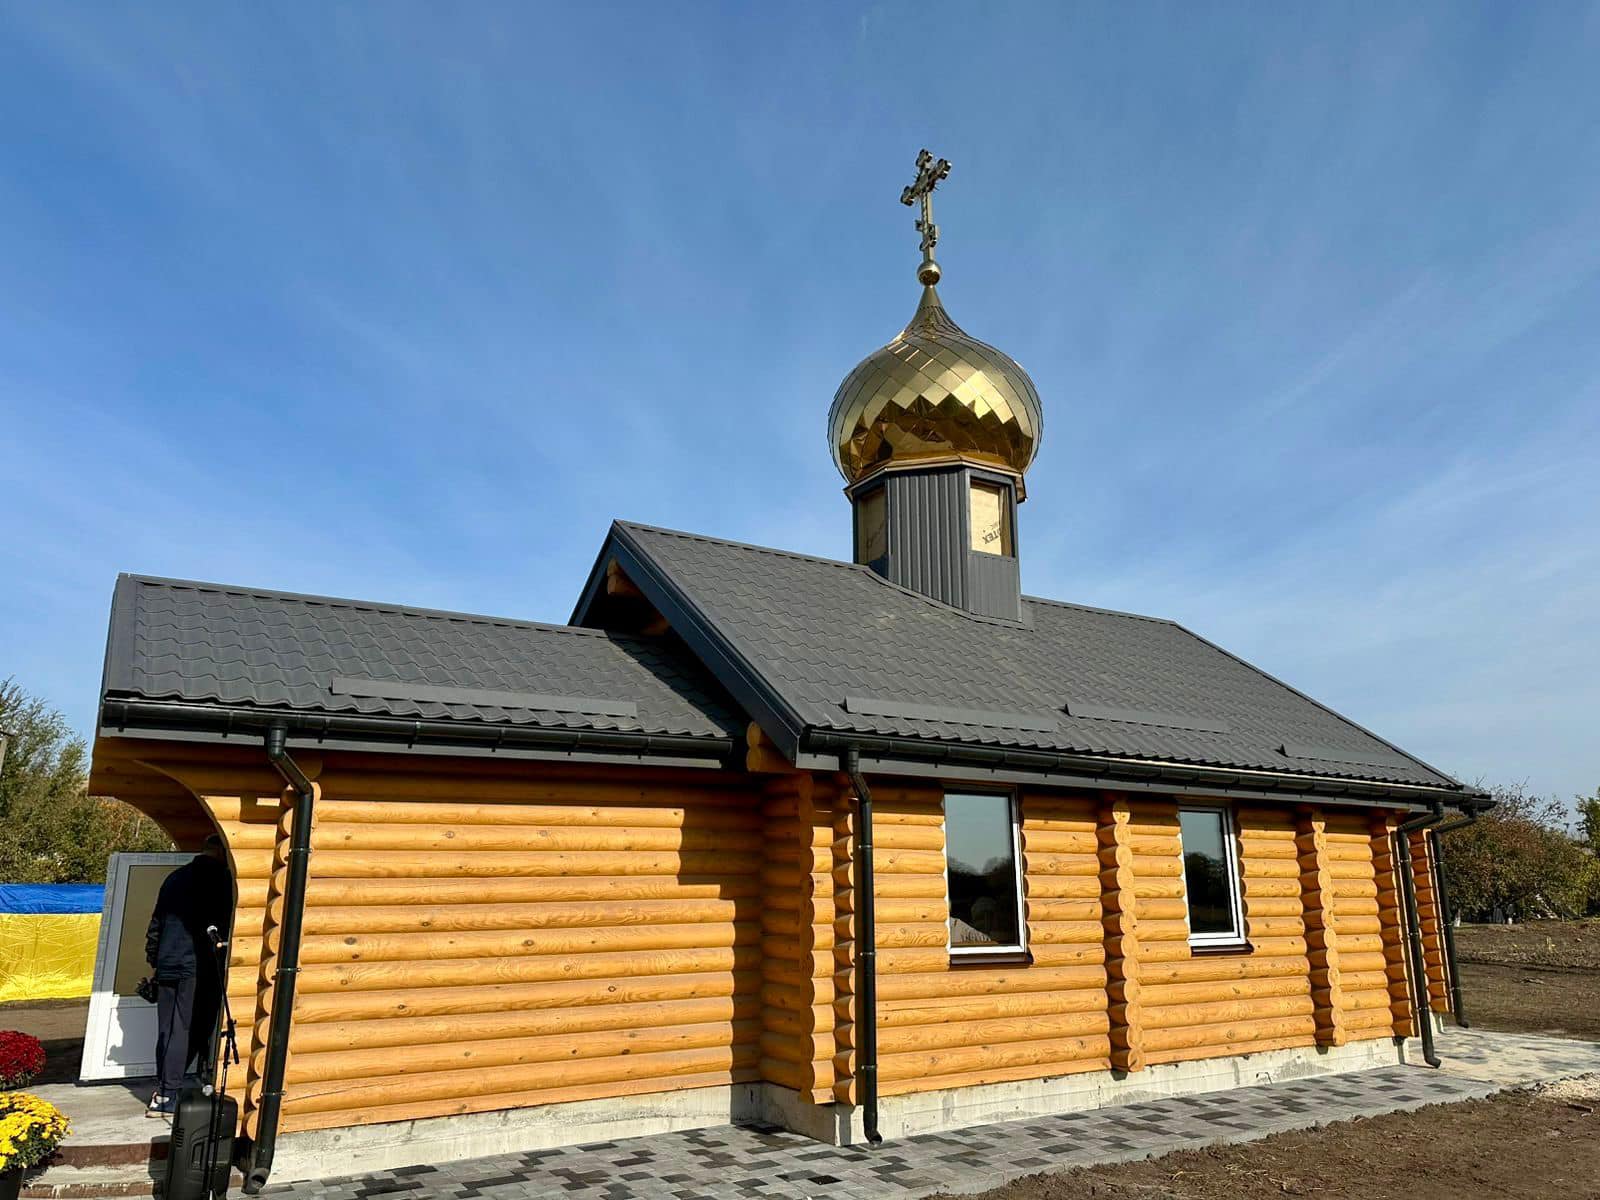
174,1013
203,1017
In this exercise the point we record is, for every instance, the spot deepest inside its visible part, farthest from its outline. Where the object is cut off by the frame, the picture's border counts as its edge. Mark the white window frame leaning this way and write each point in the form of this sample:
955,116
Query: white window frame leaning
1015,808
1230,844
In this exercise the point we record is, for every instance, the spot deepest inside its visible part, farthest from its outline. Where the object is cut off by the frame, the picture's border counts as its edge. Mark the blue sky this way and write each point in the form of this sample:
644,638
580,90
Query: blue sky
406,302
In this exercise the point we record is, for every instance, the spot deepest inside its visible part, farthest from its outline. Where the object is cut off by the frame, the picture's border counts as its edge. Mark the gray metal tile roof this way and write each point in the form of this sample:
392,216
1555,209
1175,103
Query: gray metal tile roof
845,650
210,644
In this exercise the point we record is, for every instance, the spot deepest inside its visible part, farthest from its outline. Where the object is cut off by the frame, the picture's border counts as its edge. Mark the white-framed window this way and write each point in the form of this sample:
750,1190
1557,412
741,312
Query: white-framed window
1211,877
983,873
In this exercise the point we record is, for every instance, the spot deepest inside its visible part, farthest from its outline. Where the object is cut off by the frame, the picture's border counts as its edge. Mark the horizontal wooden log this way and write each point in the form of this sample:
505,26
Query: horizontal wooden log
989,1033
1256,908
326,892
1061,887
345,1005
1226,1035
1178,950
523,839
988,1075
1261,964
432,946
1345,923
320,977
908,837
412,1110
553,914
1066,933
1160,888
384,1063
961,1009
409,794
494,1026
963,1060
920,959
794,1075
899,936
805,1023
415,1090
709,812
1185,1016
1376,1020
406,864
1214,991
908,862
1055,842
1260,1046
1078,955
998,980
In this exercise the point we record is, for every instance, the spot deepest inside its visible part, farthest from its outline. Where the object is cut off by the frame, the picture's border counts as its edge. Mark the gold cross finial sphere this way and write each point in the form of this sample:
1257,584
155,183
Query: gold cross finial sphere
929,173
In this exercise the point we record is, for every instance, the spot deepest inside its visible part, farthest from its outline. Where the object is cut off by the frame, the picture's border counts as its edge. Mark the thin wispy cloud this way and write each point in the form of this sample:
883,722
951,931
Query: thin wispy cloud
408,303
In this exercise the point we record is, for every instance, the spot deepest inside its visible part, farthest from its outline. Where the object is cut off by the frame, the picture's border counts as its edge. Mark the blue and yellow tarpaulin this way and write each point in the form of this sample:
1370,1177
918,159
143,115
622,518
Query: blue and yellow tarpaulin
48,936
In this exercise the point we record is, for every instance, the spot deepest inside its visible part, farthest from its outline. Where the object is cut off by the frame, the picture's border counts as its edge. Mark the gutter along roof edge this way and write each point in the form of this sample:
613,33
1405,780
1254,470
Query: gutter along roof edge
1144,774
209,722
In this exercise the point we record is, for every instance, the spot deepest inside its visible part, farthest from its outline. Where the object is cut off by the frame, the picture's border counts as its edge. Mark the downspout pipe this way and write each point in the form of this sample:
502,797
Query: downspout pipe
1447,914
1419,962
288,968
866,951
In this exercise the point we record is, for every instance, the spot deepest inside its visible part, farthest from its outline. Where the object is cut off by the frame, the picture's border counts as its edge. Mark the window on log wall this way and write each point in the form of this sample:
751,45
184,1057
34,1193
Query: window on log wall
1211,877
981,874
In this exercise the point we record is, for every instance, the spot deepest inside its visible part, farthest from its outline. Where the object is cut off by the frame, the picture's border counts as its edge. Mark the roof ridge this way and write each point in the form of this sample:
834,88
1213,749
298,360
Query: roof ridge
1095,608
408,610
719,541
857,568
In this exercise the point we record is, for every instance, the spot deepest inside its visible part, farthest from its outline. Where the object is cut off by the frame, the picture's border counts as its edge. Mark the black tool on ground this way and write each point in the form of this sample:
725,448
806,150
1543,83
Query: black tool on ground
200,1155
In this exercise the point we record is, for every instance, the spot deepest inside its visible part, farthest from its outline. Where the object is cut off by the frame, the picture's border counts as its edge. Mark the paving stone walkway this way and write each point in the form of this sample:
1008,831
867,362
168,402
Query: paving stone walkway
746,1163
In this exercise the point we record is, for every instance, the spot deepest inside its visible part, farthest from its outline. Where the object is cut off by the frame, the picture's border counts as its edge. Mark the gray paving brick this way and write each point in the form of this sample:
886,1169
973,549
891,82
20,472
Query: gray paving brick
734,1163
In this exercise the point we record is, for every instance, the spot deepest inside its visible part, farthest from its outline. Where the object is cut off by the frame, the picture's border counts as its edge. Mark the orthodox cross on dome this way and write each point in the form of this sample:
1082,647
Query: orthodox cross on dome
929,172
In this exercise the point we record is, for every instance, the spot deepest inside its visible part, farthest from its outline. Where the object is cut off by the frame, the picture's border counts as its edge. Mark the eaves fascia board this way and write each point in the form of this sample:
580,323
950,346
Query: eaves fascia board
979,776
188,721
716,651
450,750
961,761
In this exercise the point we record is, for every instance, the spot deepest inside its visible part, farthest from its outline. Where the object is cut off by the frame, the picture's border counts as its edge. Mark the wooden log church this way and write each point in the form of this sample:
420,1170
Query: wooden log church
859,848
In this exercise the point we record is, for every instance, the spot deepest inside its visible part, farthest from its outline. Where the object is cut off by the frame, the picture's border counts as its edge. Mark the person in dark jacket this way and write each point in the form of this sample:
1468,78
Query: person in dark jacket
194,898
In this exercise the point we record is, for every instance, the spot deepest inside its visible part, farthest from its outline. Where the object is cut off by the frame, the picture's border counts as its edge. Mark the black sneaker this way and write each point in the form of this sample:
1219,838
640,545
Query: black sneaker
161,1106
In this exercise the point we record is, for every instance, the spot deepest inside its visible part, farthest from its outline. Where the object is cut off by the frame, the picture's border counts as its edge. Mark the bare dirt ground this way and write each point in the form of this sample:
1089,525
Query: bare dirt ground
1538,977
1528,1144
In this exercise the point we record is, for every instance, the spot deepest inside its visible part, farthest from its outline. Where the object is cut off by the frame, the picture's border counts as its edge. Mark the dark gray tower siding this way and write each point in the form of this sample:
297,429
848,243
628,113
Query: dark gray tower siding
927,545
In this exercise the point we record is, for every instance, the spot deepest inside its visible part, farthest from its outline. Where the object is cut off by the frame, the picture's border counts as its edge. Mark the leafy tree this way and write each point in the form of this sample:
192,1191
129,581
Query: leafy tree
1589,819
55,832
1518,860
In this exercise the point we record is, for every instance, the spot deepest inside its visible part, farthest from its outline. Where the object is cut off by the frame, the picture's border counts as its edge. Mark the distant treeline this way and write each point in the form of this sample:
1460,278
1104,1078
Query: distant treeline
1523,859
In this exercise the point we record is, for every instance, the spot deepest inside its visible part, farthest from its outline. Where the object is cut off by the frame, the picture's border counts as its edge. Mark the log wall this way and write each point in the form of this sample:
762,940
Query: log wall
486,937
1203,1004
942,1025
1365,947
800,1032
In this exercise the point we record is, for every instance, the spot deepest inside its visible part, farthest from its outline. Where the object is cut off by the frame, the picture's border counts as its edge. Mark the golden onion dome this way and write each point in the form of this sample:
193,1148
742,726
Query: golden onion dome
934,393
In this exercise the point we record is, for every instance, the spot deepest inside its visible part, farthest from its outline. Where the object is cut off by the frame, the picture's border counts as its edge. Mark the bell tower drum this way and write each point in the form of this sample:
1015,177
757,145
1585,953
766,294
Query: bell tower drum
933,434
